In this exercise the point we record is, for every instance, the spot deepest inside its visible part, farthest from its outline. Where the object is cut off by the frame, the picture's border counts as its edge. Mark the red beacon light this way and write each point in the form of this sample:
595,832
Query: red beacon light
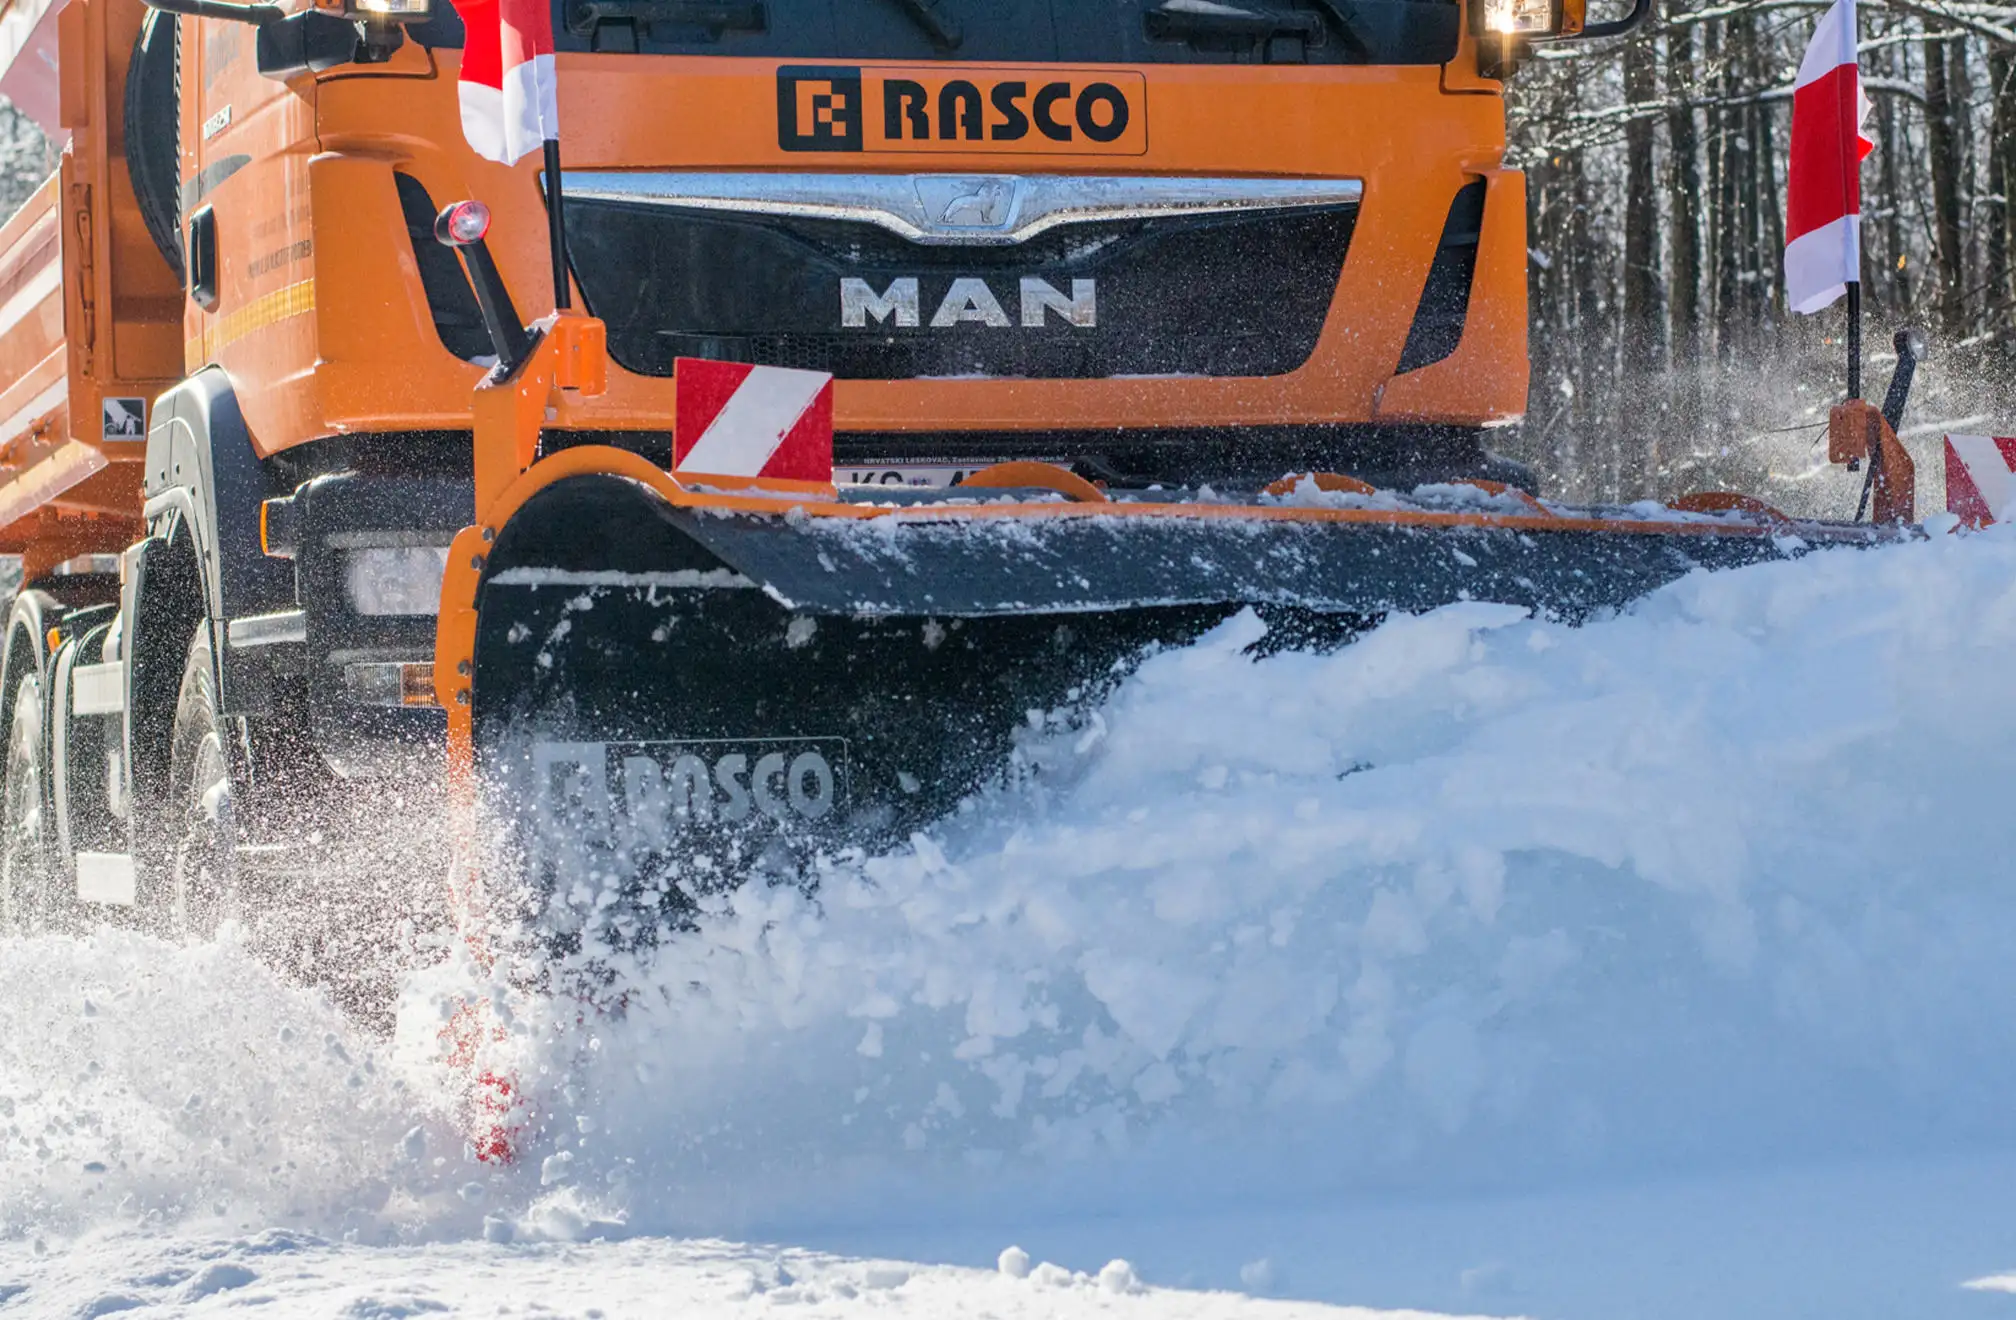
462,224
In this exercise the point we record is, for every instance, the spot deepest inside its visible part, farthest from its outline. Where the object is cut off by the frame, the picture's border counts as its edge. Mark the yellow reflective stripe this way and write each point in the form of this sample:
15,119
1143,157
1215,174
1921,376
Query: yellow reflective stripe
259,314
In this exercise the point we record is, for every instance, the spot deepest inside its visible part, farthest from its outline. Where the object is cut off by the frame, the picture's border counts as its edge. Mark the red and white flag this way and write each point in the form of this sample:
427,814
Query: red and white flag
1823,195
731,419
510,96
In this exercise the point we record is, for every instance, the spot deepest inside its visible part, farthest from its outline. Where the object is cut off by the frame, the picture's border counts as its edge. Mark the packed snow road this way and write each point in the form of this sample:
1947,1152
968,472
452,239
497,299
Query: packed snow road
1659,967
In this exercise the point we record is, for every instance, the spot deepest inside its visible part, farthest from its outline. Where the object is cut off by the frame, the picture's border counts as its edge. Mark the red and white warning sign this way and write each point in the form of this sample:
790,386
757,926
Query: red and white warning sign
1980,478
738,420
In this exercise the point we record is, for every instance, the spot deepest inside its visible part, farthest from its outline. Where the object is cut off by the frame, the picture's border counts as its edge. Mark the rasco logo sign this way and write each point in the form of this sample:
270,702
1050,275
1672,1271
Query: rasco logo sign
819,109
847,108
649,794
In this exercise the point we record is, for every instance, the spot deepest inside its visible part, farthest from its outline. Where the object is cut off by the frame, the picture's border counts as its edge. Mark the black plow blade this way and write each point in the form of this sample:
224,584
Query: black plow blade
672,701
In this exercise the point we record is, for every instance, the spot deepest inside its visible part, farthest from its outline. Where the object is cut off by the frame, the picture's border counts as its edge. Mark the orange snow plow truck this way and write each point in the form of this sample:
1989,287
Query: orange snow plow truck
1088,323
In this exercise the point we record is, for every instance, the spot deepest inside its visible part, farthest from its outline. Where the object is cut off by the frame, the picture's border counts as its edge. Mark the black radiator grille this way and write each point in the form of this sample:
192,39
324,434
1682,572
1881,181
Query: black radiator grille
1227,295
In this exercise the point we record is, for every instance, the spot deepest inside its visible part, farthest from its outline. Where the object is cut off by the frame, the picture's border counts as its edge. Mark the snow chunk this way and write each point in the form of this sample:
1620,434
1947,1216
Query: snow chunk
1118,1277
219,1276
1052,1276
1259,1276
883,1276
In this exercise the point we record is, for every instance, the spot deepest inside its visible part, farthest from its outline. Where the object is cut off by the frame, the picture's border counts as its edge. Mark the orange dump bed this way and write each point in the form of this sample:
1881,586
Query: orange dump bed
90,315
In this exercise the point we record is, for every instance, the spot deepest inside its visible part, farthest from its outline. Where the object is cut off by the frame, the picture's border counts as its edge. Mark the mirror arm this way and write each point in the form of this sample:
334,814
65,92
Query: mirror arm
257,15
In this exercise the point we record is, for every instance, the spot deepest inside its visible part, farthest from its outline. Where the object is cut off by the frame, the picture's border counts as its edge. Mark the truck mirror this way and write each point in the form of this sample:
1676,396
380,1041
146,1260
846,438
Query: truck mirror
311,41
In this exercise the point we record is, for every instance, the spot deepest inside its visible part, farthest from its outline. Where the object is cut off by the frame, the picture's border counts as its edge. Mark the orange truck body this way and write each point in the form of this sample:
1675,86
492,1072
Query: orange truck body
322,325
377,364
262,475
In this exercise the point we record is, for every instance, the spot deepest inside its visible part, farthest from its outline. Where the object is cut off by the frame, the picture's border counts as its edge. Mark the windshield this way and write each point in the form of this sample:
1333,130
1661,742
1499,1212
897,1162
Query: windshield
1007,31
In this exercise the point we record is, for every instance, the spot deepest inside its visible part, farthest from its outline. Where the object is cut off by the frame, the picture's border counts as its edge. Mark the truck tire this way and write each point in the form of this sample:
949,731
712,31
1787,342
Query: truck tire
24,851
202,858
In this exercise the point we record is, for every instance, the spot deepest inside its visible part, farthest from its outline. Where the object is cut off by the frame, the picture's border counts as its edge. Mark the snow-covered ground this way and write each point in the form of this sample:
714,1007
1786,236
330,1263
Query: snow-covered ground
286,1273
1656,968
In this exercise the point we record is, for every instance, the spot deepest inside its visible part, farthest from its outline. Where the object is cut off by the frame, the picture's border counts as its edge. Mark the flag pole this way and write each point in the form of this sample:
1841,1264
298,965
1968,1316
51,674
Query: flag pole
556,224
1851,160
1854,339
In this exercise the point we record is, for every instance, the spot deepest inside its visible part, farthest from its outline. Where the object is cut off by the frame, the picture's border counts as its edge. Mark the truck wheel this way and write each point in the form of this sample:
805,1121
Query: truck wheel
24,851
203,866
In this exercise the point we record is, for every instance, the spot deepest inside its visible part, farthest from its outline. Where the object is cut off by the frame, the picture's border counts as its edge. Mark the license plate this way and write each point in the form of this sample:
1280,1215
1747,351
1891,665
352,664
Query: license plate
931,476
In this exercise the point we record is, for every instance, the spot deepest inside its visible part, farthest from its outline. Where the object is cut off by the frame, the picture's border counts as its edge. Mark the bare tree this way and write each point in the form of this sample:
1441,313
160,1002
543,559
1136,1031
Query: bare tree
2001,177
1944,152
1684,189
1643,313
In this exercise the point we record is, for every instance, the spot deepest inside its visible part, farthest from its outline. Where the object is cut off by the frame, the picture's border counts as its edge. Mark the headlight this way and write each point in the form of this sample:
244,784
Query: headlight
391,683
395,580
1519,18
398,11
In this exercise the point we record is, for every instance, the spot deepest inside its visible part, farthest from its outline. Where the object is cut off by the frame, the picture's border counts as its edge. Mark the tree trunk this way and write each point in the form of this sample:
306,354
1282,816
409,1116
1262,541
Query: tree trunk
1897,257
1770,209
1942,149
1595,280
1751,194
1683,157
1960,113
1683,146
2001,176
1642,331
1726,148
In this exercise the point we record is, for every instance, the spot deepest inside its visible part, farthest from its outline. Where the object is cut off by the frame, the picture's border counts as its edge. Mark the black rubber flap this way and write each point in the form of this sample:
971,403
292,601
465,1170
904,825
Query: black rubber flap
970,567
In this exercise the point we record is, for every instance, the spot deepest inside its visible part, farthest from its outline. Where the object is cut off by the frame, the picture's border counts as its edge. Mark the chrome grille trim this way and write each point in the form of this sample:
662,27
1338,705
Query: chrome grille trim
969,210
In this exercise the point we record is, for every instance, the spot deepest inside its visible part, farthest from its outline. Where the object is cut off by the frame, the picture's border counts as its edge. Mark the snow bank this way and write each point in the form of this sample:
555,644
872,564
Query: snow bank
1478,900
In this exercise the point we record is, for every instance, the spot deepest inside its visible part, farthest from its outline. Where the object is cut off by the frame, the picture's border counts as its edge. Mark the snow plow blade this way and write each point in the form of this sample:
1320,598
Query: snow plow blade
675,690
